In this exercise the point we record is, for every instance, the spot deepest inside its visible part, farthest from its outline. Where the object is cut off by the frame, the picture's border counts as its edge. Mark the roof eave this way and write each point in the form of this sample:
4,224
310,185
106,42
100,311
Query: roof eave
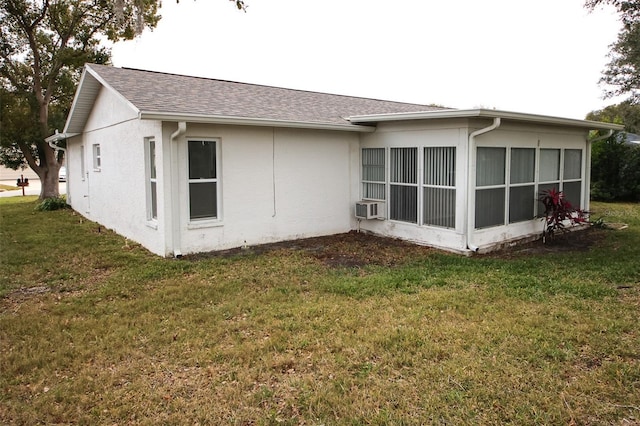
249,121
484,113
84,99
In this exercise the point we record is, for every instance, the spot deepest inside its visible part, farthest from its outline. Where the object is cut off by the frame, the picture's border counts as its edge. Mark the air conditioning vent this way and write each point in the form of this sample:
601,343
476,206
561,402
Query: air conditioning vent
370,210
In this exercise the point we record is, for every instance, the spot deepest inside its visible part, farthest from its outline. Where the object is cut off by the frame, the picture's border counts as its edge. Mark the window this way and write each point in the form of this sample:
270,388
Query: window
203,179
522,189
403,196
568,179
572,175
373,174
97,162
556,168
82,163
152,182
490,187
439,191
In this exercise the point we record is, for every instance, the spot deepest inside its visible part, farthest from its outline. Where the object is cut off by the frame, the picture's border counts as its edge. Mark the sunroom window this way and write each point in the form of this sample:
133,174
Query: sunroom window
439,187
572,176
373,174
490,186
567,179
403,197
560,169
522,189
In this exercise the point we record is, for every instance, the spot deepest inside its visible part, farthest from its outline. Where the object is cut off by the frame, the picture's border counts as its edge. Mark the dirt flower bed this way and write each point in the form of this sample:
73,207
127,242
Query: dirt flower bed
357,249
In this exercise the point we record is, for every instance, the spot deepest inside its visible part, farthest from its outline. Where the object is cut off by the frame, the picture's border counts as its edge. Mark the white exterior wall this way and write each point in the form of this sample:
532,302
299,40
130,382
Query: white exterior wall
277,184
115,194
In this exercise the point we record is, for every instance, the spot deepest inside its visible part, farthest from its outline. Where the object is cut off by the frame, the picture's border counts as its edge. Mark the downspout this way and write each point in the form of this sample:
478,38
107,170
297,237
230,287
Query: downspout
587,183
599,138
471,168
175,190
51,140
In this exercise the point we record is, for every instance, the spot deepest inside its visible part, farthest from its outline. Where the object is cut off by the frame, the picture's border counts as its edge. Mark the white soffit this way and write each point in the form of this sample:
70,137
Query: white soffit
84,99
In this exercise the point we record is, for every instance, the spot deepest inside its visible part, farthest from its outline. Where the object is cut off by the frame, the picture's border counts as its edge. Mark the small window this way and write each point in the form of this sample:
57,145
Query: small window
152,182
203,179
97,161
83,170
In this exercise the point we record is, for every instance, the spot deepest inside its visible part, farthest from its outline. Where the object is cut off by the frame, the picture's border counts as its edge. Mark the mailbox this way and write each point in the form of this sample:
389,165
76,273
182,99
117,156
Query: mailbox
22,182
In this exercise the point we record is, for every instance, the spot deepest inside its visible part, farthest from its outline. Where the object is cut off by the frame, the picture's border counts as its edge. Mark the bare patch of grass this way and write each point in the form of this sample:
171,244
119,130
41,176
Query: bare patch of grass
345,330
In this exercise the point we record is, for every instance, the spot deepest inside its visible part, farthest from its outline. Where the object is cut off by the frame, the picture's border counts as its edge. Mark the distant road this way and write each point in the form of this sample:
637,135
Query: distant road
32,189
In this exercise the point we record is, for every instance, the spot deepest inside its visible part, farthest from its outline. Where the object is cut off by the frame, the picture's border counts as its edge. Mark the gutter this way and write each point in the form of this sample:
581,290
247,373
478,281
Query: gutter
470,178
249,121
175,190
483,113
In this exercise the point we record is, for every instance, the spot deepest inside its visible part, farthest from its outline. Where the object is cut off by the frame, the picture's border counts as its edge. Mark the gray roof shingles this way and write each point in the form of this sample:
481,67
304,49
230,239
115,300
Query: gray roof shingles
155,92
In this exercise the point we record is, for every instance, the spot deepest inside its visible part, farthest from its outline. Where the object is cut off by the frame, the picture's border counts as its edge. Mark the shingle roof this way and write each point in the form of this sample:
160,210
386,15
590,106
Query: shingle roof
155,92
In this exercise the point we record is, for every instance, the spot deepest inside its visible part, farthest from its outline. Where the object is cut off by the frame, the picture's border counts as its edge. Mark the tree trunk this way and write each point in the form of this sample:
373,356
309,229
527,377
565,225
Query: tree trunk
49,181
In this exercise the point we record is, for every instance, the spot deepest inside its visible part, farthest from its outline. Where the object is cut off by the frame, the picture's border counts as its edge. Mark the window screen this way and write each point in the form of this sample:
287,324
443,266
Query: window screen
439,193
404,189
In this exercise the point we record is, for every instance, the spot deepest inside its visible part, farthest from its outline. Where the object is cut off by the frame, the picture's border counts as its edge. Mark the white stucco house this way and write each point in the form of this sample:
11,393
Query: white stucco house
183,165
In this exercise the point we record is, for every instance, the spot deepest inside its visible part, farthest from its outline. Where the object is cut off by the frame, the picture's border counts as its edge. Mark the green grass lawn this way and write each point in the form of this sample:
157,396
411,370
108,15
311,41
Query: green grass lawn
95,330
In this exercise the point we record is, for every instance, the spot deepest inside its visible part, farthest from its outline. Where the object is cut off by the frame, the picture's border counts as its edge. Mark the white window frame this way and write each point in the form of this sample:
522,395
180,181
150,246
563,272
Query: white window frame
198,221
489,187
579,179
533,183
97,157
83,170
151,178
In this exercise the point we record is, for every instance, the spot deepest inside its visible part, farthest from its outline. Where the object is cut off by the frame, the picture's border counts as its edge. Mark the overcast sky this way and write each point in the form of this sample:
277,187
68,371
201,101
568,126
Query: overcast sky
542,57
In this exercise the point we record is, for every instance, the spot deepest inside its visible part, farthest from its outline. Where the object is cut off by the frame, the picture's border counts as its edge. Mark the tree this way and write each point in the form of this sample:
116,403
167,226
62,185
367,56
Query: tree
615,163
622,73
43,46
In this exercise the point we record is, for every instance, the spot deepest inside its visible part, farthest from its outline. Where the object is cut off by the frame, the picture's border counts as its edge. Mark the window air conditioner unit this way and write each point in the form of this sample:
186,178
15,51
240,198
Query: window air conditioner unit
370,210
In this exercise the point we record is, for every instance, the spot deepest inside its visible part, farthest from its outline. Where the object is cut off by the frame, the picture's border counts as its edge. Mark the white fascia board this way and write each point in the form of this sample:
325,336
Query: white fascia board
247,121
485,113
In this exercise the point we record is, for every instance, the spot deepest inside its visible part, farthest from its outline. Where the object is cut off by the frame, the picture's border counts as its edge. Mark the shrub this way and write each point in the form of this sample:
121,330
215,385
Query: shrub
615,170
557,212
53,203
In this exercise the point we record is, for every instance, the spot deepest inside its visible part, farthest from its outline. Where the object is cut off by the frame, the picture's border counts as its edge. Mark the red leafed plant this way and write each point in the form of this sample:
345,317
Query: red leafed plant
557,211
